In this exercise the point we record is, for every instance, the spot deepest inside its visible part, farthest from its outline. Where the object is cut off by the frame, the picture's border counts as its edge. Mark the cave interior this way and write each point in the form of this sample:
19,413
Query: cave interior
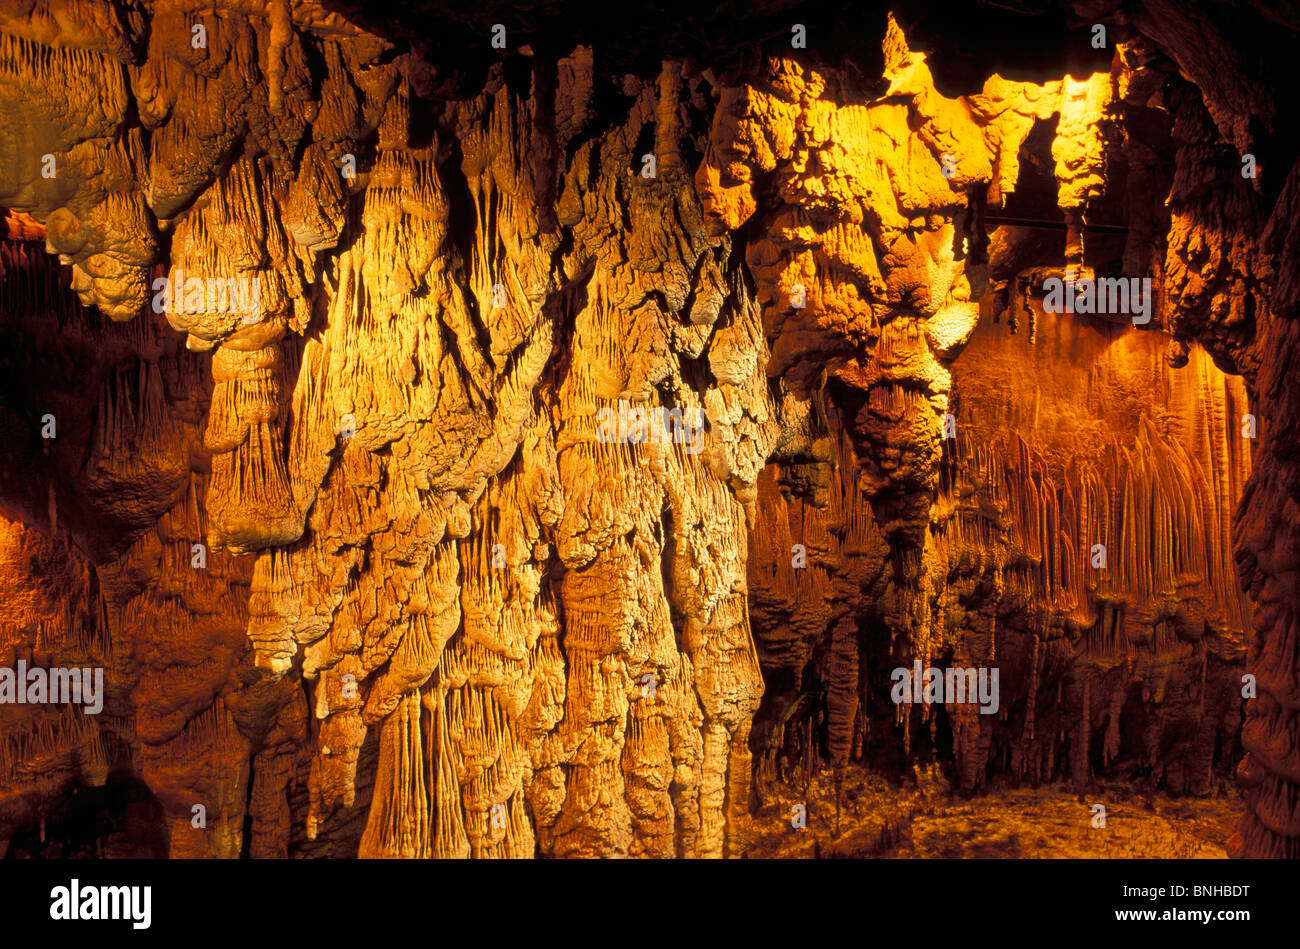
694,431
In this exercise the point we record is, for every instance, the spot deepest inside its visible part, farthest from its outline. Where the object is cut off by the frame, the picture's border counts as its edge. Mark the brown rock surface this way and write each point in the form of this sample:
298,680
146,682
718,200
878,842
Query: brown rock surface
376,489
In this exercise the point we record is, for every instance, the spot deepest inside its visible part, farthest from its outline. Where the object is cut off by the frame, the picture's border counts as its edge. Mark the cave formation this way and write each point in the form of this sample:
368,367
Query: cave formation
330,339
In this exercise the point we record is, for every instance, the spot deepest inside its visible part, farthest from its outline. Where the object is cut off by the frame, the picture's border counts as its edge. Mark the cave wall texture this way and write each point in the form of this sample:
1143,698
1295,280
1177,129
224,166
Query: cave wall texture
366,578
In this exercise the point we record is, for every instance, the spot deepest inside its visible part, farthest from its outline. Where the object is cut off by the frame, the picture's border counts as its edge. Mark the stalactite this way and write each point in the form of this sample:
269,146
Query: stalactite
384,516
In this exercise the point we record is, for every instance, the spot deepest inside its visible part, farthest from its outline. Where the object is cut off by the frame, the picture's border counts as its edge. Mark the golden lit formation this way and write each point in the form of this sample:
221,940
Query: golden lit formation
527,456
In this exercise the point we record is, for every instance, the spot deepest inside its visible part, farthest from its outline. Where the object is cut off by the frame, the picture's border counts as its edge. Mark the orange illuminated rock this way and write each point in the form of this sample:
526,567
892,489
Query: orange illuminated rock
529,457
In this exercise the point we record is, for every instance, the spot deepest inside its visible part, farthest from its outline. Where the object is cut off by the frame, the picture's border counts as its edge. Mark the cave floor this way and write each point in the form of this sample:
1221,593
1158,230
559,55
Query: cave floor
922,820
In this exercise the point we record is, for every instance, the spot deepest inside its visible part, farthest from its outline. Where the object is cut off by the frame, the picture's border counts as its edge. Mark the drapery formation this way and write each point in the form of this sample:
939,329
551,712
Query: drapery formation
330,498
